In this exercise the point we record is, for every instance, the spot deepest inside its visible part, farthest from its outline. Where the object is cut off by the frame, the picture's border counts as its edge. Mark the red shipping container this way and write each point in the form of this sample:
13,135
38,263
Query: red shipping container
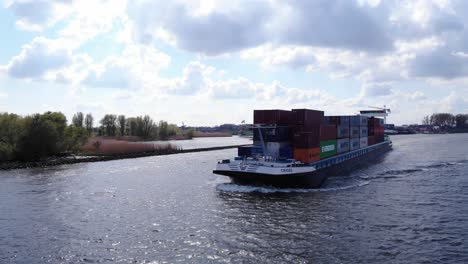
328,132
307,155
278,117
307,118
306,140
371,140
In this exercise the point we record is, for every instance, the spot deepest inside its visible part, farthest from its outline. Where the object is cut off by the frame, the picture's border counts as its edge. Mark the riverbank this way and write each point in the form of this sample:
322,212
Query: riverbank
56,161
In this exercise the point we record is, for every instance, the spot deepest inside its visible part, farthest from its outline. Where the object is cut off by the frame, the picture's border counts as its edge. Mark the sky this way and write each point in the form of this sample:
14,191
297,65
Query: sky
207,62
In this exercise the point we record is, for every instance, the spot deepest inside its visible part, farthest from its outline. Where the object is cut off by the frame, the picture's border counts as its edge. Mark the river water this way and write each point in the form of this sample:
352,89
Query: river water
410,208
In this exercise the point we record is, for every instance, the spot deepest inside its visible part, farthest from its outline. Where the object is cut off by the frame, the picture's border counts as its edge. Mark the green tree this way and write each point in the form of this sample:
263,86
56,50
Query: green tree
108,122
190,133
163,130
122,124
89,122
75,137
40,138
132,126
78,119
11,129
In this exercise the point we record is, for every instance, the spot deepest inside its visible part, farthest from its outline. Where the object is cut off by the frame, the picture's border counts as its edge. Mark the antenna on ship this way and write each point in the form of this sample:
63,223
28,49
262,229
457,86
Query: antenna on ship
387,111
379,112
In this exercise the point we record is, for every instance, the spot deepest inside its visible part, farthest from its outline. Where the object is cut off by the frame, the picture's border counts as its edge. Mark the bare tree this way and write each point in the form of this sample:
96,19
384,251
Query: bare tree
426,120
122,123
89,122
77,119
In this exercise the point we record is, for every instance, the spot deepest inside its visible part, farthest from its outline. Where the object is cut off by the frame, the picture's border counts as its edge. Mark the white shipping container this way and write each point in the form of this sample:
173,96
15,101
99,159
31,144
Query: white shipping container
363,142
354,144
363,121
363,132
354,132
342,145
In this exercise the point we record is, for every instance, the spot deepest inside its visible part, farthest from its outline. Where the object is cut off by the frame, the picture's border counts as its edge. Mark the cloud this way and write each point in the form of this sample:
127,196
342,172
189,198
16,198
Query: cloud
194,79
37,58
442,63
227,29
292,56
231,27
137,66
334,24
376,89
34,15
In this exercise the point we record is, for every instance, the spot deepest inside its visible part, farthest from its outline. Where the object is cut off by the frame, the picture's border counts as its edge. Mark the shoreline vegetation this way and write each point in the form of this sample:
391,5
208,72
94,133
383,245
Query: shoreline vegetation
39,137
72,159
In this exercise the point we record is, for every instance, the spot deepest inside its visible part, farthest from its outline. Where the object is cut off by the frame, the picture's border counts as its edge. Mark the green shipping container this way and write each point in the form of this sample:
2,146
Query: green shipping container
327,148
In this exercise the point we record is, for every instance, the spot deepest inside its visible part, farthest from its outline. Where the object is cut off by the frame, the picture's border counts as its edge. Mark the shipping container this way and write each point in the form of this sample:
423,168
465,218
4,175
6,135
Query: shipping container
363,132
286,152
355,120
381,121
376,131
342,145
307,128
371,140
274,117
342,131
338,120
307,119
363,121
328,132
327,148
363,142
273,149
277,134
375,122
307,155
244,151
354,131
256,150
354,144
306,140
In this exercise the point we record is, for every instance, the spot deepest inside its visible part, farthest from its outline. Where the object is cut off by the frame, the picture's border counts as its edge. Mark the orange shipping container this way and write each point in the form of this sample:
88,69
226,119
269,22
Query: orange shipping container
307,155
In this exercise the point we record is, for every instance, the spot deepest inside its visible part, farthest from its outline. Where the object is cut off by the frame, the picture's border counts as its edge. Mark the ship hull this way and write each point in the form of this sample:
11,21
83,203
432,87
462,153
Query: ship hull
297,180
312,179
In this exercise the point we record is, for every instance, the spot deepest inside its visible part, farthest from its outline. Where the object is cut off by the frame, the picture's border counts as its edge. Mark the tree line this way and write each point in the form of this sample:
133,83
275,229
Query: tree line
447,120
143,127
37,136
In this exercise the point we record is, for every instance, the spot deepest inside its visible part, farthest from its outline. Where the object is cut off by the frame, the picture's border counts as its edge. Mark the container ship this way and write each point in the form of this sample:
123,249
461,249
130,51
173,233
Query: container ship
302,147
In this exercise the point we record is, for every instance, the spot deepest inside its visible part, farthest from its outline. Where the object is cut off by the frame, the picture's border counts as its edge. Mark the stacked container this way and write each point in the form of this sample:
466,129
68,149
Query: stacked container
307,135
376,131
363,131
276,132
274,117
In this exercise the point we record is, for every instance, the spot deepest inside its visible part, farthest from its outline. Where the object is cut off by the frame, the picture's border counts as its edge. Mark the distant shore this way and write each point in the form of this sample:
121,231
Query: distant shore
73,159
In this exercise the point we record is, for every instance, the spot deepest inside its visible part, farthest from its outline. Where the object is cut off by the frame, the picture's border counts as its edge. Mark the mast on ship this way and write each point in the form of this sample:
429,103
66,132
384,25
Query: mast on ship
379,112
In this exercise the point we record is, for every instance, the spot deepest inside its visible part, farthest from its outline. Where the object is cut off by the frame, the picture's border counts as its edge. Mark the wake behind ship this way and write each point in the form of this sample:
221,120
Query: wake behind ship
302,147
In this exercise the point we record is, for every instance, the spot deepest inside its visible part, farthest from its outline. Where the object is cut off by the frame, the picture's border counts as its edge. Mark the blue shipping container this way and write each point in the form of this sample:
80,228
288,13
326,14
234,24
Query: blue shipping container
286,152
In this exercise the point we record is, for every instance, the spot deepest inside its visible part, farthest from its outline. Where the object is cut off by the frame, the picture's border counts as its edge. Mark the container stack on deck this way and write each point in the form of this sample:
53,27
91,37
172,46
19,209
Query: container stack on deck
307,135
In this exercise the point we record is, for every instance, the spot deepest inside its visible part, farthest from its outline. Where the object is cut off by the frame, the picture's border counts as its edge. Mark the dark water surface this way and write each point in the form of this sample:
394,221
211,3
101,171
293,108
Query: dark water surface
411,208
